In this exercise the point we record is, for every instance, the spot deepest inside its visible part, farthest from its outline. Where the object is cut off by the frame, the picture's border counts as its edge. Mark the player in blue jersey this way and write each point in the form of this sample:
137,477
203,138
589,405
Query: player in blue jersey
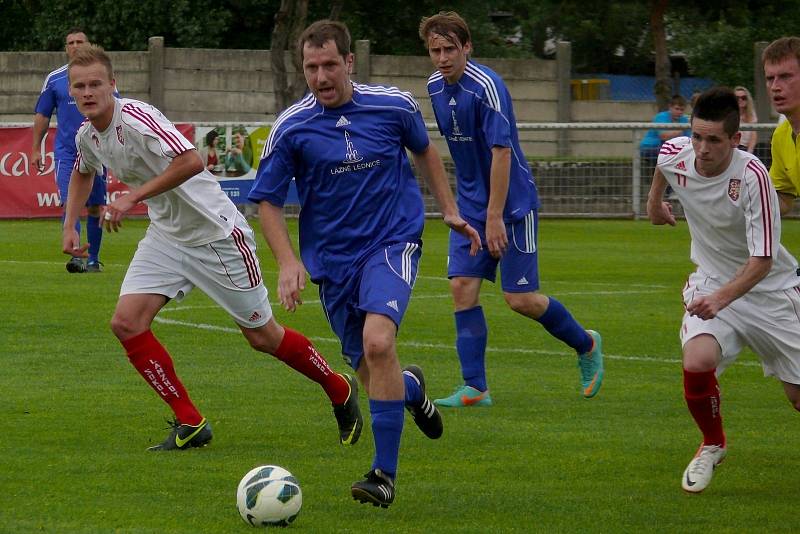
55,96
496,195
361,220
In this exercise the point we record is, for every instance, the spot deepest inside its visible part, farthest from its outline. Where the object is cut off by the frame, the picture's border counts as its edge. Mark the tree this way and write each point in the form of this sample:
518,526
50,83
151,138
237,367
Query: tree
663,87
290,20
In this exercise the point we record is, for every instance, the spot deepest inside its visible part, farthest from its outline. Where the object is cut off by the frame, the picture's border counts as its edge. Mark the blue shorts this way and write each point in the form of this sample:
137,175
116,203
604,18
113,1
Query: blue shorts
382,285
519,266
63,172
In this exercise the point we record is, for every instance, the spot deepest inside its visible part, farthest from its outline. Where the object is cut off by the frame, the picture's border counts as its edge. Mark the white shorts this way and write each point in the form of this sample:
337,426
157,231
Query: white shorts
768,323
226,270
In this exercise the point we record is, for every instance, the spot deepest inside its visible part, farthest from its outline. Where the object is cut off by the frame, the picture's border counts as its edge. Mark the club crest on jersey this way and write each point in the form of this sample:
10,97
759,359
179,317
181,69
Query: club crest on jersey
734,187
456,129
119,135
350,154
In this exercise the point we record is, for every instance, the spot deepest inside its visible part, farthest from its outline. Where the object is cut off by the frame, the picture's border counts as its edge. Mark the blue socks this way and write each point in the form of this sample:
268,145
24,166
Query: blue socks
560,324
471,335
413,391
387,426
94,235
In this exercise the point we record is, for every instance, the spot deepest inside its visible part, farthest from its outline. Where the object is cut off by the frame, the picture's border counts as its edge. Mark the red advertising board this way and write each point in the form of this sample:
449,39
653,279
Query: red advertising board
24,193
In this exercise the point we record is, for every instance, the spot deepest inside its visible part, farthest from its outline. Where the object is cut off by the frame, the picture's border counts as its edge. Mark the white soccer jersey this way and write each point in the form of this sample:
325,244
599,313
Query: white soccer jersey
731,217
137,146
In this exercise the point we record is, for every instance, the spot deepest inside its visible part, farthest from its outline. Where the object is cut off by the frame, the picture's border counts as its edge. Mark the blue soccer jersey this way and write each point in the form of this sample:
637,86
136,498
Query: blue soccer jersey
474,115
356,188
55,96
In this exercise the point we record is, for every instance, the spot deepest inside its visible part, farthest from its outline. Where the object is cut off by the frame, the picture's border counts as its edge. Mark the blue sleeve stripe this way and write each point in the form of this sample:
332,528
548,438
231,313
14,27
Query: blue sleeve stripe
488,85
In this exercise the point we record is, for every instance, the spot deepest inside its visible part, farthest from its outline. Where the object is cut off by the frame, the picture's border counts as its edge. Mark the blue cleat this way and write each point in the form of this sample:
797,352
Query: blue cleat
465,396
591,366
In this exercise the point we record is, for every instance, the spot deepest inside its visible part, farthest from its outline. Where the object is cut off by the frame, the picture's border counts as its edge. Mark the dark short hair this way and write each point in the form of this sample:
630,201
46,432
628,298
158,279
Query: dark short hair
73,30
87,55
780,49
321,32
210,136
447,24
677,100
718,104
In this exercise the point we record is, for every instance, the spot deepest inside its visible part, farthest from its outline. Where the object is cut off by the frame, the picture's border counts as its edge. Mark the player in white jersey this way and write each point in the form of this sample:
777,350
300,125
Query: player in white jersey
196,237
745,290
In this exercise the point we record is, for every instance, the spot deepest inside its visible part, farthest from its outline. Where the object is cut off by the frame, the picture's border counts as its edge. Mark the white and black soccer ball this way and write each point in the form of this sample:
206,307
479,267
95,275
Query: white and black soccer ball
269,495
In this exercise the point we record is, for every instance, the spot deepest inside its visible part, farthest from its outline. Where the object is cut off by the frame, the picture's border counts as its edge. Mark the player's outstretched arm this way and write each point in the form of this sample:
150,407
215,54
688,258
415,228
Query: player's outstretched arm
658,211
292,272
80,187
430,165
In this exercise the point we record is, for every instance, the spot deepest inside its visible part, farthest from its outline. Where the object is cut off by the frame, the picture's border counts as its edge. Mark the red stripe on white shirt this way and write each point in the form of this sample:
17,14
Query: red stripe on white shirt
766,206
170,138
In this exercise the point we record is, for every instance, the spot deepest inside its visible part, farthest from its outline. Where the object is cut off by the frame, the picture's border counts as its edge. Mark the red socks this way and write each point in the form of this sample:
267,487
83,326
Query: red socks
701,391
153,362
297,352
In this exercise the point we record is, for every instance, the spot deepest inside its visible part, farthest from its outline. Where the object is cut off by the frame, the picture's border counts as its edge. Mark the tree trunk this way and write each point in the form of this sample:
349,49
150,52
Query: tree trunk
290,20
662,86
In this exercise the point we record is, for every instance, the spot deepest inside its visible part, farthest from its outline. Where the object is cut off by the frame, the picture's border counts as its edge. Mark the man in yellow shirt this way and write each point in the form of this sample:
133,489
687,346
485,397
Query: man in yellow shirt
782,70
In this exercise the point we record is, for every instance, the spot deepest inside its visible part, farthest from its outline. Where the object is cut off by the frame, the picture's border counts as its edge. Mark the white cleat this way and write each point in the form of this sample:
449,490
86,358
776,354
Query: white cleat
698,473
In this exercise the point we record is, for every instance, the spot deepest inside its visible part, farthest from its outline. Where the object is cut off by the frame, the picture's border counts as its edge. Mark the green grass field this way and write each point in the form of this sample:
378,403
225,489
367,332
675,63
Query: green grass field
76,418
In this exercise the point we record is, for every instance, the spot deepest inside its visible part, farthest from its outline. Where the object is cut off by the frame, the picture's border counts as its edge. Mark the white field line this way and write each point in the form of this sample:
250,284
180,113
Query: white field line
445,347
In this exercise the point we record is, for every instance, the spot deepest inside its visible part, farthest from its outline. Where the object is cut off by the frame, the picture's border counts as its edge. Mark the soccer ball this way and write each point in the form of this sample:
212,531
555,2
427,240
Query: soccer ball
269,495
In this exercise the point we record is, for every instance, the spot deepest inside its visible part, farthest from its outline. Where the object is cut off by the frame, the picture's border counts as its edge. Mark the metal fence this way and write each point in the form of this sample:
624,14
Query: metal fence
596,187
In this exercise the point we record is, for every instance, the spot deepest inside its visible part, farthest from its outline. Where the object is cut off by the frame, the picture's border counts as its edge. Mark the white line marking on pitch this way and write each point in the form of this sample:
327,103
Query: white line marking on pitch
442,346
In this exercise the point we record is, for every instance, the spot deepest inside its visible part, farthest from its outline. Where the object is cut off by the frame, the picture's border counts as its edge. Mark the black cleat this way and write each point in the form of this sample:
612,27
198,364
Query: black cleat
185,436
348,414
377,489
94,267
76,265
426,415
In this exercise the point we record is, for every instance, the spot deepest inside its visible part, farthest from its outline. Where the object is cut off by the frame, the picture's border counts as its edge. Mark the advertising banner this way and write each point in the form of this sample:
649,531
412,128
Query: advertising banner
25,193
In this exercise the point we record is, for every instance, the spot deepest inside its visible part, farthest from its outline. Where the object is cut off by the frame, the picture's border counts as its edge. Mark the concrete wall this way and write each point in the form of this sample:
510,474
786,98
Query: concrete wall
205,85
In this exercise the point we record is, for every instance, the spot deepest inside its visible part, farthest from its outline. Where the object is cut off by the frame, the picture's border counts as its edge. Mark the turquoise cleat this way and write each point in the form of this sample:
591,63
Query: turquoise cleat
591,366
465,396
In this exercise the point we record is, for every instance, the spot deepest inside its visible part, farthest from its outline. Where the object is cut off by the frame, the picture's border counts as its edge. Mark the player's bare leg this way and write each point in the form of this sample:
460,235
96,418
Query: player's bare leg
386,401
793,394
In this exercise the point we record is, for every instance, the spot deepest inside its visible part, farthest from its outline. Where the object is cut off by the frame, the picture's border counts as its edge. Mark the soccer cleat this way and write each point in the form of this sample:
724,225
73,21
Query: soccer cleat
94,267
698,473
348,415
591,366
185,436
76,265
465,396
377,488
425,414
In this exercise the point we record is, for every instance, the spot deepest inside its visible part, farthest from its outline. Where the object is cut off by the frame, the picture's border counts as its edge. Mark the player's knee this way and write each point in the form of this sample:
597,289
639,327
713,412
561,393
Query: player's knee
378,345
530,304
124,327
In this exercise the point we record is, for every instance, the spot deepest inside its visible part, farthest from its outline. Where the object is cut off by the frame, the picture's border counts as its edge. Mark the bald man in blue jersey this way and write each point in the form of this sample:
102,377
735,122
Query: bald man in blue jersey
361,221
497,196
55,97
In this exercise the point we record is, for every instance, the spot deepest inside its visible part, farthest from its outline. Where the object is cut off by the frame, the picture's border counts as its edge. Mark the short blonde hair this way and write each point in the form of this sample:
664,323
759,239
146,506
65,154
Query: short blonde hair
88,55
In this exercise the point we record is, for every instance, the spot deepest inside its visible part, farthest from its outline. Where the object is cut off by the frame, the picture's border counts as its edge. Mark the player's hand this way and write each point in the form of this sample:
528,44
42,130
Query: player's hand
660,212
706,307
71,244
291,283
496,236
462,227
36,161
113,213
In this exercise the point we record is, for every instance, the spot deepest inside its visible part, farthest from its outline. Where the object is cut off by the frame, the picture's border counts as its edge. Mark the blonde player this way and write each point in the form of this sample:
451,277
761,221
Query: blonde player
745,290
196,237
